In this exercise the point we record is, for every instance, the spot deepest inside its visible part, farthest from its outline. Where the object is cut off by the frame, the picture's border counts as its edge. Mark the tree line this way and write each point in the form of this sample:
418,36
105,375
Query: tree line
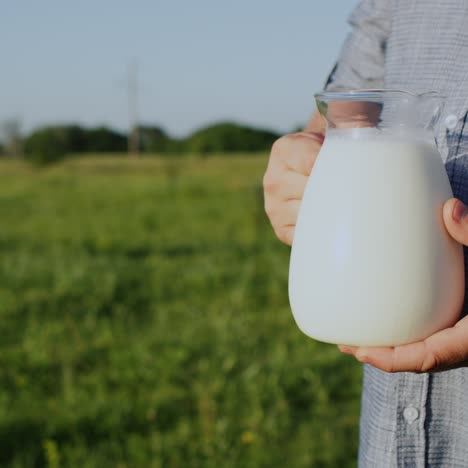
52,143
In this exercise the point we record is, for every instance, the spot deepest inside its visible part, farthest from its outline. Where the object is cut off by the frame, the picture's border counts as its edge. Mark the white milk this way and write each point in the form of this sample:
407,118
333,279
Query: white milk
372,263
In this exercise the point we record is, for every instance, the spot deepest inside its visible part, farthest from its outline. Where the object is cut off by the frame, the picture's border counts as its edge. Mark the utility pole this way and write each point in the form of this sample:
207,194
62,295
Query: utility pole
133,130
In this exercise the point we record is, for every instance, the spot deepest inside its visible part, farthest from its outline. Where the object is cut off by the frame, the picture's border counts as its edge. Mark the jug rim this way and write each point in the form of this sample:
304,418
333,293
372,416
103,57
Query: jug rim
371,94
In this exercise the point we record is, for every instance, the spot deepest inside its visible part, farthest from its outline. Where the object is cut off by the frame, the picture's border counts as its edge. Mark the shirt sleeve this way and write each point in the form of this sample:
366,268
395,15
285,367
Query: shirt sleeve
362,57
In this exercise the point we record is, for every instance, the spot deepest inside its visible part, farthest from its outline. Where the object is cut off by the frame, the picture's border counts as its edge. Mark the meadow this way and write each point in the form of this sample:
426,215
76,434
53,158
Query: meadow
144,322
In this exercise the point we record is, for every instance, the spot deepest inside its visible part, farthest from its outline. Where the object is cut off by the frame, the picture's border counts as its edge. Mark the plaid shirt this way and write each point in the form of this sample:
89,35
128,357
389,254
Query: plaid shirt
410,420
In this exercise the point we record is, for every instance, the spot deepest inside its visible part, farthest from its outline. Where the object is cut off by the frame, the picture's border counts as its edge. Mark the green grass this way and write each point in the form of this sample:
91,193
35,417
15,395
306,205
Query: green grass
144,322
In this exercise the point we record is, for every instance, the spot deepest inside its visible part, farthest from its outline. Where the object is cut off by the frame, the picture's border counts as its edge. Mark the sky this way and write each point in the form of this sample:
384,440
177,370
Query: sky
198,61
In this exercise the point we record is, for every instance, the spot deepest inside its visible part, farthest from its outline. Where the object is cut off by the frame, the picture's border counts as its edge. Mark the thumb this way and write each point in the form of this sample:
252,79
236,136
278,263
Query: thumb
456,220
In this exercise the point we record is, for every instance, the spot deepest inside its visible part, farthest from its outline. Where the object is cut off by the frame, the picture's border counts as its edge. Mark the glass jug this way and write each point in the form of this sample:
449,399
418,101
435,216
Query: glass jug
372,263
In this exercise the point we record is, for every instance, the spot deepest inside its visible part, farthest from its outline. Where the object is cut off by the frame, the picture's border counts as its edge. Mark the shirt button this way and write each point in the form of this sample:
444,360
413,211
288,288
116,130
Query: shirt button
410,414
451,121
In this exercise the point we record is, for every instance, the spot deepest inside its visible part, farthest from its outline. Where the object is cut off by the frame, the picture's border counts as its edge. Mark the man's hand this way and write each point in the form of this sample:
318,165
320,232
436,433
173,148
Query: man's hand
447,349
291,160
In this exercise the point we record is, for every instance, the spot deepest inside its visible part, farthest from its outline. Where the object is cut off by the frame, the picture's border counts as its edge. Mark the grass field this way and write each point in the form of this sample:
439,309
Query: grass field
144,322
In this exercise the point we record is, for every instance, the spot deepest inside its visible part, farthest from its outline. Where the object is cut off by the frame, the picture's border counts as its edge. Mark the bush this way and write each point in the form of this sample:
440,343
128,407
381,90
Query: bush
46,145
229,138
153,139
105,140
52,143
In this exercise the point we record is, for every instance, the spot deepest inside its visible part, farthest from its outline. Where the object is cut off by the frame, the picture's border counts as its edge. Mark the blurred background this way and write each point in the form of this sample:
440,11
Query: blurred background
144,316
